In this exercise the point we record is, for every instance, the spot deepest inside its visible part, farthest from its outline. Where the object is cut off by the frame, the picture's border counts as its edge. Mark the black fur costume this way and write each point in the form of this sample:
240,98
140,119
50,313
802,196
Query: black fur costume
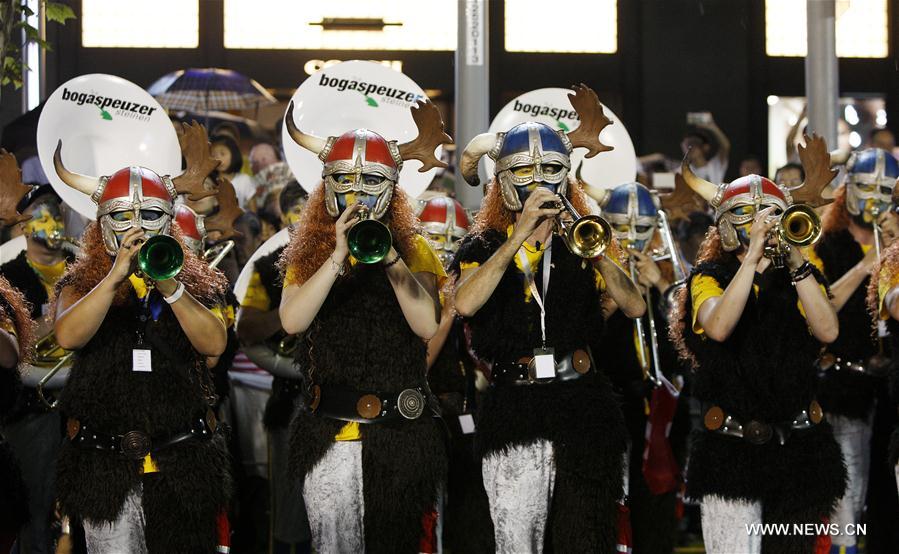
467,526
847,393
193,484
581,419
360,339
763,371
285,391
653,520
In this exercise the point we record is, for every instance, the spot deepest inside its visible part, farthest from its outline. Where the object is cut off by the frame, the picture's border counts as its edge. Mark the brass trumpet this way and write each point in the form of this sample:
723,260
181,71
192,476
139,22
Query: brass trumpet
799,226
586,236
368,239
48,354
160,258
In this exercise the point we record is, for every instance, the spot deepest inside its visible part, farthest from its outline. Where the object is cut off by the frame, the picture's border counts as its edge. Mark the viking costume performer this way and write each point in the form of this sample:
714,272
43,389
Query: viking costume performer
852,364
550,443
751,331
33,430
452,374
368,447
16,340
266,343
139,395
642,357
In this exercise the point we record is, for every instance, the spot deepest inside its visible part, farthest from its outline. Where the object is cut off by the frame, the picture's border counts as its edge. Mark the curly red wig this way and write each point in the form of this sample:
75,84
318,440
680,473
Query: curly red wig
313,240
888,269
94,263
836,216
19,316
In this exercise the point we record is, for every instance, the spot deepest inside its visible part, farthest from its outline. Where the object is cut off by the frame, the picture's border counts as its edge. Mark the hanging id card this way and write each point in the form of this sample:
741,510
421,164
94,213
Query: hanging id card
466,422
140,360
544,363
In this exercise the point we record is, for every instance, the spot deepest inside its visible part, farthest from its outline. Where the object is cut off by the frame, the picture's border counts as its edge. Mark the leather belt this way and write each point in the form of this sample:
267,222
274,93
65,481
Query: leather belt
349,404
571,366
136,445
758,432
876,366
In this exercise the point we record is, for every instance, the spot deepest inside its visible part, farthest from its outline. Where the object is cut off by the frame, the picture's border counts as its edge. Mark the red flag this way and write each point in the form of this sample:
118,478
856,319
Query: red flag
625,540
660,469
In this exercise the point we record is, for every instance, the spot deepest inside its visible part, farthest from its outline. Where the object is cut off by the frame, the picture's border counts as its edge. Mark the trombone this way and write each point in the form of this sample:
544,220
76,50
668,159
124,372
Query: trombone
47,353
799,226
586,236
217,252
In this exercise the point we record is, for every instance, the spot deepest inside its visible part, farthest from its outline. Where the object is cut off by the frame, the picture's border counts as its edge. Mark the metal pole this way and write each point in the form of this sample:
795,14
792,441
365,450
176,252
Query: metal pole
822,70
472,89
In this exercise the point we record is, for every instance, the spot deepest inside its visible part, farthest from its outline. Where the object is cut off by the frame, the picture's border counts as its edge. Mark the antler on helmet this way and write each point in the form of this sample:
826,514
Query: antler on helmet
818,174
11,190
311,143
431,134
195,148
228,211
593,121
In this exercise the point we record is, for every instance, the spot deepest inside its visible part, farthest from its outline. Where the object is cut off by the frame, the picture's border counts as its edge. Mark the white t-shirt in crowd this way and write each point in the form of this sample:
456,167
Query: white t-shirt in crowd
713,171
244,188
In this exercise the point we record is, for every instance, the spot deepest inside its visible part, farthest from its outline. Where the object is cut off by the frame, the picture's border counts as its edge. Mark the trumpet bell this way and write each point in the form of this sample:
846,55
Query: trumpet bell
800,226
160,258
369,241
588,236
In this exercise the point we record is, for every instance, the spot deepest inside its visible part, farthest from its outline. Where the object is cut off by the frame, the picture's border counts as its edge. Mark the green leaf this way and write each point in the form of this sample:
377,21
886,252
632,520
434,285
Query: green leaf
58,12
26,10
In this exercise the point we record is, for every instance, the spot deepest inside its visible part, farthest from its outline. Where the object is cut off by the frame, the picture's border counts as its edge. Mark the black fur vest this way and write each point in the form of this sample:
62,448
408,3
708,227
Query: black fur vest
23,277
360,339
582,418
763,371
847,393
193,484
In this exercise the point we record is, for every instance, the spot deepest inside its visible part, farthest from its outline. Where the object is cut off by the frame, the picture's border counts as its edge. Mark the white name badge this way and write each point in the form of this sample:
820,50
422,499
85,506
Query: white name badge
467,424
544,363
140,360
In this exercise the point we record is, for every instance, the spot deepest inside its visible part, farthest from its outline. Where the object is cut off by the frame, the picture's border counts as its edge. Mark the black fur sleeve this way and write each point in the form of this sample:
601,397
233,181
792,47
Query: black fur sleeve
475,248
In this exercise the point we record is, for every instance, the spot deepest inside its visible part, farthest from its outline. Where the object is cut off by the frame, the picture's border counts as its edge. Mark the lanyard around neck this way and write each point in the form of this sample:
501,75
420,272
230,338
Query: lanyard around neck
529,275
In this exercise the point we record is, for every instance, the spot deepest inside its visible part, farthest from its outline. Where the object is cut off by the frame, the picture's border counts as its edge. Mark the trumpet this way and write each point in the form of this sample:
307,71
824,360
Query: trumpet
48,354
799,226
217,253
586,236
55,241
368,239
160,258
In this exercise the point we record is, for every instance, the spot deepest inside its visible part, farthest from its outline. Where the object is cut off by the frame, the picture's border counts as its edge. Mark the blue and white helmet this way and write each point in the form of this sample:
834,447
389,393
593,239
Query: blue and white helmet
632,211
870,179
539,147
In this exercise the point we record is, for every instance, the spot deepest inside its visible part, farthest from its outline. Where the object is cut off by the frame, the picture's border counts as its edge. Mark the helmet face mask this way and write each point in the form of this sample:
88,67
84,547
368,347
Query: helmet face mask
134,197
870,181
527,156
445,222
632,212
737,203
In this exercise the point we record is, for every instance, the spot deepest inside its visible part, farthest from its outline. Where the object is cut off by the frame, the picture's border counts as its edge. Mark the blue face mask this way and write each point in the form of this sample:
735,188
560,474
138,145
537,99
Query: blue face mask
350,198
525,190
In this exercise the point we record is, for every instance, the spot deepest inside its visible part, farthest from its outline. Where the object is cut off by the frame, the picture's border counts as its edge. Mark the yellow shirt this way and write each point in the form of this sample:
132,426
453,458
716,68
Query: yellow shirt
534,257
256,295
224,313
48,274
703,287
421,259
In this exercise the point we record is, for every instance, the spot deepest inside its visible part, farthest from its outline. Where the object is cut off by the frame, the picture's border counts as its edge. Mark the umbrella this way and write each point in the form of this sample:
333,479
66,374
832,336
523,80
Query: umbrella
205,89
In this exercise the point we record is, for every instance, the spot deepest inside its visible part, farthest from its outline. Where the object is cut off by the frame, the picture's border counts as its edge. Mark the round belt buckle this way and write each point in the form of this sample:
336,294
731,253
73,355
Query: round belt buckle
580,361
72,428
815,413
757,433
369,406
316,397
410,403
135,444
714,418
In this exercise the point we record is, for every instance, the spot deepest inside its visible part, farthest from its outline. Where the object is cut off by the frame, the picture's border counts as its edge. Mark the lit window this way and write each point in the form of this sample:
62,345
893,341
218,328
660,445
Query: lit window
590,26
861,28
341,25
140,24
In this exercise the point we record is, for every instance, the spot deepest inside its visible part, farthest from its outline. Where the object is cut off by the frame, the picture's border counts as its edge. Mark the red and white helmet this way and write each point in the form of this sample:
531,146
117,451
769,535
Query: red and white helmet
142,191
193,228
362,152
445,221
357,153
